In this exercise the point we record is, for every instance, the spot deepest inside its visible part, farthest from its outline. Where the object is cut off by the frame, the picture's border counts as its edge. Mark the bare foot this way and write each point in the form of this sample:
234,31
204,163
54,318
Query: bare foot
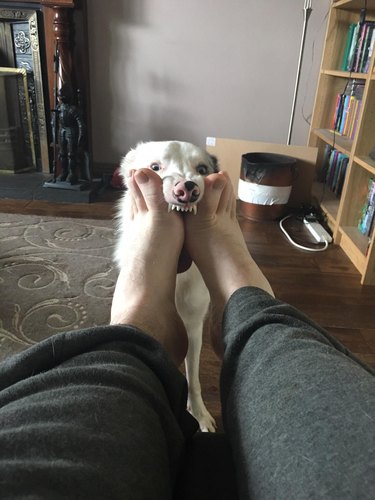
145,290
215,242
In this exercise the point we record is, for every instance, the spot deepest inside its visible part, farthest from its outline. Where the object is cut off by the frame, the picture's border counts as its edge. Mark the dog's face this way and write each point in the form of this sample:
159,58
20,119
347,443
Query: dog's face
181,165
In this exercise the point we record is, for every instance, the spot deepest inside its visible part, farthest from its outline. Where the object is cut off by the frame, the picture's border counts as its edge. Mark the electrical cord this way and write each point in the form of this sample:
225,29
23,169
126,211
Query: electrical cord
321,249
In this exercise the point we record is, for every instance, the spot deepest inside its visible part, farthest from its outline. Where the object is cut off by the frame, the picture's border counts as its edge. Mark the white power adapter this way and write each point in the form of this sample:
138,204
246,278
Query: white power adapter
317,230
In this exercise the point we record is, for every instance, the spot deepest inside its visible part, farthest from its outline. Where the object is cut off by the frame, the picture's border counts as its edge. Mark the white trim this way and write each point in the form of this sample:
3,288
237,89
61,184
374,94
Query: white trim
258,194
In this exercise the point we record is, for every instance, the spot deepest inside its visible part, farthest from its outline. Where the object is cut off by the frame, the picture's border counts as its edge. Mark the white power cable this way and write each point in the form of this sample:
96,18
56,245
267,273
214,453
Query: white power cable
321,249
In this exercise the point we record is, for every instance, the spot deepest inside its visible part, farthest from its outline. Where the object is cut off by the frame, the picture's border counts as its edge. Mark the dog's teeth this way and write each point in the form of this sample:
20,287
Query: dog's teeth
179,208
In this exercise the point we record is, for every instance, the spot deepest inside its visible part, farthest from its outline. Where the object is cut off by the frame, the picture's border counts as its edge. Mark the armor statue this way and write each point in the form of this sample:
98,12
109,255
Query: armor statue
71,136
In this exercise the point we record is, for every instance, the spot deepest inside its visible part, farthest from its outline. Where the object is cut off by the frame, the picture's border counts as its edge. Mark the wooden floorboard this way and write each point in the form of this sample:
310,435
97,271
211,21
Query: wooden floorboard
323,285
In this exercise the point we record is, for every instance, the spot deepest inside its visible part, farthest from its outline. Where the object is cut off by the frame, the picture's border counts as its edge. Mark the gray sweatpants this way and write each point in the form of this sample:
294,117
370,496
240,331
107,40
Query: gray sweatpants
101,413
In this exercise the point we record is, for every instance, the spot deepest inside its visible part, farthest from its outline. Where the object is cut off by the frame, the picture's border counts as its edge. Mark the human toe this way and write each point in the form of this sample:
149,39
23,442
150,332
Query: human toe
149,188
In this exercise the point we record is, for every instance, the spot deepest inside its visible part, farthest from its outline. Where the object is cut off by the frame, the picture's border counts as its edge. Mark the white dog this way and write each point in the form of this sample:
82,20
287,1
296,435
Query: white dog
182,166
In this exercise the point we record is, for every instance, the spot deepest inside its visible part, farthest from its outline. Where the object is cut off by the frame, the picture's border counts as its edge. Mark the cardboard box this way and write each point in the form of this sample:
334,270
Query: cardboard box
230,151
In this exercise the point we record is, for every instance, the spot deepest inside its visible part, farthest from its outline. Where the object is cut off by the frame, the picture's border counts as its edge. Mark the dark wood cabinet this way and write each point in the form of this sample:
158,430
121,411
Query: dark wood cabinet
62,24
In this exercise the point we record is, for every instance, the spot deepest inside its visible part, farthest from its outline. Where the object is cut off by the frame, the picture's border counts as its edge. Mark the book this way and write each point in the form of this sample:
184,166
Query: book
352,48
349,115
336,165
347,108
338,111
366,48
341,177
347,46
358,47
326,157
370,50
335,176
331,167
344,115
366,222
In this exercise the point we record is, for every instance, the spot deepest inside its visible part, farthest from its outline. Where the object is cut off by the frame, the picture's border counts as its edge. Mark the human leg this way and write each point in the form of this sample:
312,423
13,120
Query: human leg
147,280
101,413
298,408
215,242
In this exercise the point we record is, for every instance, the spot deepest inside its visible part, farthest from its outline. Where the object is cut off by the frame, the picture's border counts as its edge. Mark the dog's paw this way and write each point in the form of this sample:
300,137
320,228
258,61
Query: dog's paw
207,423
205,420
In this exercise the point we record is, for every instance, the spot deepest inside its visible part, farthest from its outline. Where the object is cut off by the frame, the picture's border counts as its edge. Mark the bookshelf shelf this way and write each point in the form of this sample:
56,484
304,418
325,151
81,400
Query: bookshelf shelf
345,74
353,4
366,162
341,143
345,213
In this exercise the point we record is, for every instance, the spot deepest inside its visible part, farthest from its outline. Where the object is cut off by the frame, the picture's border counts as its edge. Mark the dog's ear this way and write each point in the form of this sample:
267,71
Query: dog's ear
215,163
127,162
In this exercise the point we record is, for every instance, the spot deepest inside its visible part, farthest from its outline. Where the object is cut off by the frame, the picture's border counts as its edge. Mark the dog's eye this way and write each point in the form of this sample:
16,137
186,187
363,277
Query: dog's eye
202,169
155,167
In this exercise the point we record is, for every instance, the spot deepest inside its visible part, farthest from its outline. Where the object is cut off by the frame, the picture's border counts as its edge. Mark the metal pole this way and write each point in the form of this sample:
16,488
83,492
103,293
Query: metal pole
306,14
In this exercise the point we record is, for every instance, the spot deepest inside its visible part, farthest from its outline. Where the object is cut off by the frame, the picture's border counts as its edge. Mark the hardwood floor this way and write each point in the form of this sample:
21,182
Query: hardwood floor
324,285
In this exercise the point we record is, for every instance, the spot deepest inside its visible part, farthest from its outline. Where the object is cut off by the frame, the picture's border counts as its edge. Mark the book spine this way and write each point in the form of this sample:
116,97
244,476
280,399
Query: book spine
348,43
336,170
366,45
365,224
359,47
370,51
352,50
344,115
347,109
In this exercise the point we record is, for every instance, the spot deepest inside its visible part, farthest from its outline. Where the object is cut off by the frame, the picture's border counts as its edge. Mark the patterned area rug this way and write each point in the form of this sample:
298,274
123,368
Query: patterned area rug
56,274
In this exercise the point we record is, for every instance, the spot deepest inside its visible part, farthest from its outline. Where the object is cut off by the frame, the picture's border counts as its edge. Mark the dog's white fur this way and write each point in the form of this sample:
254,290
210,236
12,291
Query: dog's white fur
178,163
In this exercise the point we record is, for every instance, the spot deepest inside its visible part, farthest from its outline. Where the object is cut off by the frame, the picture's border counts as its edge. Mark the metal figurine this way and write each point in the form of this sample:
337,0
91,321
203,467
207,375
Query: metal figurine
72,132
69,131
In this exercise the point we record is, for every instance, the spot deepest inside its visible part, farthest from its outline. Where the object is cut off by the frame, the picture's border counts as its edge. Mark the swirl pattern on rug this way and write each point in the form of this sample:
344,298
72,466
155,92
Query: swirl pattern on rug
56,274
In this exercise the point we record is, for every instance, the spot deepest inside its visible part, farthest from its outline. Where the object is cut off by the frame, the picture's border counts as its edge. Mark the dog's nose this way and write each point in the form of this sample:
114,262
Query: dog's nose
186,191
190,185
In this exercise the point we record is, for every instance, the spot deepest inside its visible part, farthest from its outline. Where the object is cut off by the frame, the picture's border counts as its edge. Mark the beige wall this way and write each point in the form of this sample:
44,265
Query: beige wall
185,70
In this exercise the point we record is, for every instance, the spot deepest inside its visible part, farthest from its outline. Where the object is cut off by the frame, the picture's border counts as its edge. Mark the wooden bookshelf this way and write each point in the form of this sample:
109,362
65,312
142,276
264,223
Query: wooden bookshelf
343,214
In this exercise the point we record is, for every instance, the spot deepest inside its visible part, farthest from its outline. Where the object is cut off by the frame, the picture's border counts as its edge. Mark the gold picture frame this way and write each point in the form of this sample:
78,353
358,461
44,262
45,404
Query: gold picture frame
29,16
18,151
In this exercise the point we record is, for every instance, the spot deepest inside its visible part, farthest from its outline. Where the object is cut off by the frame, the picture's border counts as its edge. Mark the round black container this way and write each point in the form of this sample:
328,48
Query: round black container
265,185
